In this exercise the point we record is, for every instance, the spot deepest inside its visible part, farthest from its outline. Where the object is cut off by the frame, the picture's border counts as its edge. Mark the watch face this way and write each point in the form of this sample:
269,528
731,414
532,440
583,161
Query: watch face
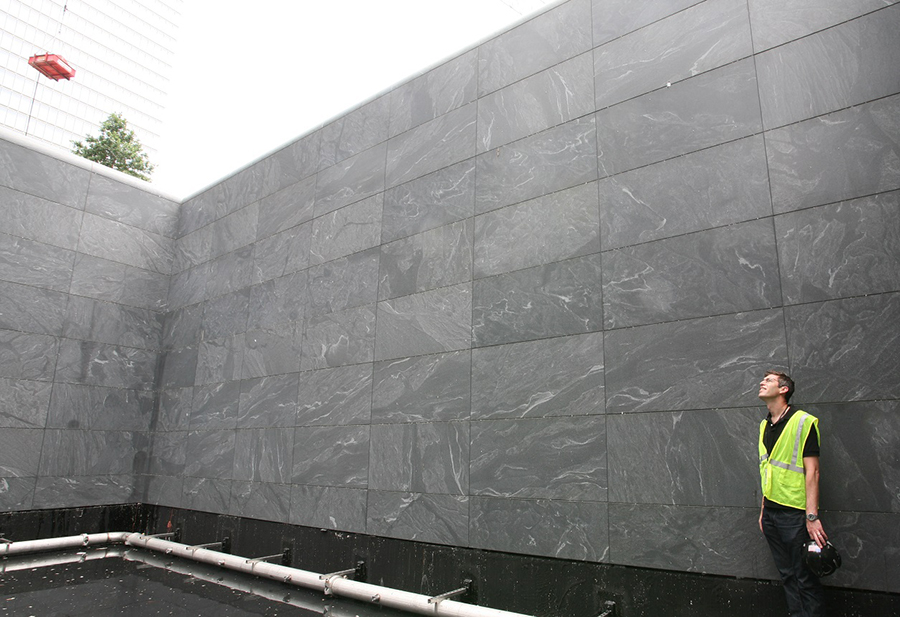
811,517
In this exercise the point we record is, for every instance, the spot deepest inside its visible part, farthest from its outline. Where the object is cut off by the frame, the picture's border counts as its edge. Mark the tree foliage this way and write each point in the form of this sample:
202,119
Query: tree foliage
116,147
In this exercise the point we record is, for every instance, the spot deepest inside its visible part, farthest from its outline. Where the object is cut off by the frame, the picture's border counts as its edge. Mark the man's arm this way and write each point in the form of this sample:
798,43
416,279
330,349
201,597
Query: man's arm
811,469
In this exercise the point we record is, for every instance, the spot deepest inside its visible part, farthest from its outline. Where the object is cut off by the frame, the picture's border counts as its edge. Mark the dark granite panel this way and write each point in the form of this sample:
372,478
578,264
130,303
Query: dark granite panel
337,339
439,198
660,53
551,228
230,273
31,263
90,407
541,164
192,249
260,500
712,108
868,542
561,529
327,507
282,253
31,172
335,396
846,65
20,452
86,453
615,18
435,258
441,142
692,539
428,322
268,402
186,288
102,279
16,494
198,211
27,356
440,90
234,231
553,300
331,456
132,246
26,216
843,155
126,204
718,271
354,132
215,406
540,458
422,389
689,458
347,231
845,350
162,490
550,377
23,403
272,351
97,364
179,367
85,491
241,189
554,96
210,454
225,315
351,180
846,249
141,288
168,454
287,208
300,159
129,410
220,360
344,283
182,327
115,324
31,309
714,187
174,410
539,43
694,364
263,455
278,301
426,457
206,494
438,519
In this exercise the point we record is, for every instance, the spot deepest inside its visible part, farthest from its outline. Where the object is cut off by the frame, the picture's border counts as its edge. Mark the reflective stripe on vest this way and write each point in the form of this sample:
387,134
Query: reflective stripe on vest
792,466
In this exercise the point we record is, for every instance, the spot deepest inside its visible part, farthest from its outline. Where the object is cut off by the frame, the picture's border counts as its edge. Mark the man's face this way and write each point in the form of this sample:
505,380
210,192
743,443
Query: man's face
769,388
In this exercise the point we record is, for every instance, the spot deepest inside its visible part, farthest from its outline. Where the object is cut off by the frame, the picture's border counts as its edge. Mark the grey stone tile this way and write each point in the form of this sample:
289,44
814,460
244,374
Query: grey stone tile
540,458
354,132
558,529
289,207
131,206
263,455
32,309
167,457
20,452
182,327
436,199
841,349
225,315
234,231
441,142
335,396
31,263
98,364
439,91
718,186
435,258
90,407
428,322
331,456
712,108
27,356
422,389
210,454
552,300
282,300
683,467
272,351
26,216
268,402
174,410
198,211
179,367
337,339
420,457
104,322
553,96
344,283
265,501
230,273
438,519
549,377
132,246
846,154
351,180
215,406
346,231
327,507
661,53
693,364
539,43
16,494
300,159
44,176
551,228
872,567
187,287
846,249
86,453
206,494
711,272
163,490
615,18
51,493
555,159
220,360
102,279
849,64
24,403
192,249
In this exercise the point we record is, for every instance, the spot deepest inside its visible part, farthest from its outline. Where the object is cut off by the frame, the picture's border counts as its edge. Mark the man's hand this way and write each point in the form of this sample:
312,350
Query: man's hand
816,532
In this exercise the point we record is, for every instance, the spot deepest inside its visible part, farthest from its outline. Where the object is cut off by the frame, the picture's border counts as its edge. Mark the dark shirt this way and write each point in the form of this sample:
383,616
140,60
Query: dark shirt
771,435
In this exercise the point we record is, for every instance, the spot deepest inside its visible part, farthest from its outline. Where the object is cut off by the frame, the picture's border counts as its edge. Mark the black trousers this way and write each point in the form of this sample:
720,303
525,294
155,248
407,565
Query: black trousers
786,532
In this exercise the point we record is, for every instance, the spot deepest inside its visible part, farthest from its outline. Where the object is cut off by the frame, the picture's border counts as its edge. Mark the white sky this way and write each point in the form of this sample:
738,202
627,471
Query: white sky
252,79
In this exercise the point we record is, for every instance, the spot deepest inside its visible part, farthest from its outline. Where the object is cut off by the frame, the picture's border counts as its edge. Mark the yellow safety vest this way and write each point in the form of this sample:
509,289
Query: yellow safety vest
781,471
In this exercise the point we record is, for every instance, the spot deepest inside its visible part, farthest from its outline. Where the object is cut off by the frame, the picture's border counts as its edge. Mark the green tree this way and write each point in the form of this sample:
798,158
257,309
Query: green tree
116,147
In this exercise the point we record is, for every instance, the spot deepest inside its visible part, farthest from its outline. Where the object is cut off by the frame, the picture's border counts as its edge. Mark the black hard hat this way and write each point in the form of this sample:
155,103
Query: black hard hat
821,561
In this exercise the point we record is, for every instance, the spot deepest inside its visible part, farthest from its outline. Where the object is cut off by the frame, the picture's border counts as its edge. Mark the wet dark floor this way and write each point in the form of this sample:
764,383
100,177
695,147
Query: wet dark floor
116,586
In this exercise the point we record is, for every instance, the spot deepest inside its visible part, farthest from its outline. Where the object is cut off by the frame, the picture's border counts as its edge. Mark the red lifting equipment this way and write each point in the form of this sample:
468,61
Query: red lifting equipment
53,66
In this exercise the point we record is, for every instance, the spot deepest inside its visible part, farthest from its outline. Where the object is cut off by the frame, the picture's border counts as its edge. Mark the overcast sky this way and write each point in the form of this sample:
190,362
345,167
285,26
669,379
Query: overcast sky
249,80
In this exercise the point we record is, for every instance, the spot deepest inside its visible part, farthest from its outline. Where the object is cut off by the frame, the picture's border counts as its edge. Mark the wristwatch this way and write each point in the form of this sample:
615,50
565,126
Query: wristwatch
812,517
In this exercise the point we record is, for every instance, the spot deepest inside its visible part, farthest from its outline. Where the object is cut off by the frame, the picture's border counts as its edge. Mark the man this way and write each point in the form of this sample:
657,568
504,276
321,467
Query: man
789,471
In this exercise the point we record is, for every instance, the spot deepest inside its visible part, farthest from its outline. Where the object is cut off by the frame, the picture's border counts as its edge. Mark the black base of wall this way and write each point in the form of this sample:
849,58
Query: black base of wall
530,585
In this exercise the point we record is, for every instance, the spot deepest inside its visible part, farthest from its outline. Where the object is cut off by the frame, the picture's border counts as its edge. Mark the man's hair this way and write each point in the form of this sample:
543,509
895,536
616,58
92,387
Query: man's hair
784,380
